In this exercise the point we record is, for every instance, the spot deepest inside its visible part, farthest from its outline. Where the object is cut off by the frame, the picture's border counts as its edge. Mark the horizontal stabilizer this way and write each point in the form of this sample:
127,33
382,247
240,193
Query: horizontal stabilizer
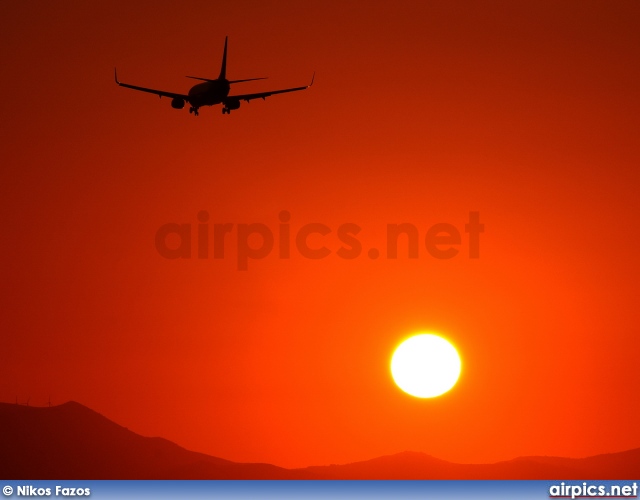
203,79
232,81
247,80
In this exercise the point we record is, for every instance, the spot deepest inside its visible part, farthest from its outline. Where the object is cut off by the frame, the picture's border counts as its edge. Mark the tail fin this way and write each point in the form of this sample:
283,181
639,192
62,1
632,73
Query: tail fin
223,70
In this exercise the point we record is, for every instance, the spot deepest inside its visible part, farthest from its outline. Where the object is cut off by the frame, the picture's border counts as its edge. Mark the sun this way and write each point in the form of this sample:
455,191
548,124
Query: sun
425,365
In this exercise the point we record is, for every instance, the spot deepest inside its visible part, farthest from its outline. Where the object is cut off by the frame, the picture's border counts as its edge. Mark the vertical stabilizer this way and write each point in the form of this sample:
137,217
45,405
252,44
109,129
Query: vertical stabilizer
223,69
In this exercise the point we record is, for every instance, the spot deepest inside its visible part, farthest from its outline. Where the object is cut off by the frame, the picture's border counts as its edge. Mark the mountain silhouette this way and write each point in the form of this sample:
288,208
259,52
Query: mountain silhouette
413,465
71,441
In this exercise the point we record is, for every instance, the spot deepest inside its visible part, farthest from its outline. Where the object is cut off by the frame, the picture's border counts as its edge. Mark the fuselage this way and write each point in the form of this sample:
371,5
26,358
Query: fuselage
209,93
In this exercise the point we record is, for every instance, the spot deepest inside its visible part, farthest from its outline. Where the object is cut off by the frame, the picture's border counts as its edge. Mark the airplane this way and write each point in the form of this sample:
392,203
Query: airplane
212,92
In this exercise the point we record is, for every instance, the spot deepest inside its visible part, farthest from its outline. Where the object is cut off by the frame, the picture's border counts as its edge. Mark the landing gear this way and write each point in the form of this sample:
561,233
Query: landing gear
193,110
226,110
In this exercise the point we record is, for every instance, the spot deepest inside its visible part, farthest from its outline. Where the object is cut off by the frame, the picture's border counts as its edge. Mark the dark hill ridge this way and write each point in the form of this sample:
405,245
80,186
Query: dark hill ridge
71,441
413,465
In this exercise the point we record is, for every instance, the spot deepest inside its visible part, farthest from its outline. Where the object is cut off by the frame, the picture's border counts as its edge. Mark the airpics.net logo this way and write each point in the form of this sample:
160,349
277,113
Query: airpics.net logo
588,490
253,241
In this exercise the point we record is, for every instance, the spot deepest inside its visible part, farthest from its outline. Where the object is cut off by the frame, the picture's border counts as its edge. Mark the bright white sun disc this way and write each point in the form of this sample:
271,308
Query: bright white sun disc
425,365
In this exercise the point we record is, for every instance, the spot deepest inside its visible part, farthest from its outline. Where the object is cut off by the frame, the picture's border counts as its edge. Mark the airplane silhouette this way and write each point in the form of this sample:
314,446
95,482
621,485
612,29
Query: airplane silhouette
212,92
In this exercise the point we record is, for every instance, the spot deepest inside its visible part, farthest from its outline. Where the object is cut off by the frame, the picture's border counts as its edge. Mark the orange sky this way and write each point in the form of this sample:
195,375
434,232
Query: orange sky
421,112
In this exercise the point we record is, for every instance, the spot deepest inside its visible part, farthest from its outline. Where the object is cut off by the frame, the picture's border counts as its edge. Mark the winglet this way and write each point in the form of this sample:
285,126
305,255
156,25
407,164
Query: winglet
312,78
115,72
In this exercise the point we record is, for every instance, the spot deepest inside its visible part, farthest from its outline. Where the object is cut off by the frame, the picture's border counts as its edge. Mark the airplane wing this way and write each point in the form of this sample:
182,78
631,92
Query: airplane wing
263,95
160,93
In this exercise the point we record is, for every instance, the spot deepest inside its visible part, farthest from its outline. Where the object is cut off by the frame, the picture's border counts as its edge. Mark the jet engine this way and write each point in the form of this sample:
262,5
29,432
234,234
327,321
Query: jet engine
177,103
232,104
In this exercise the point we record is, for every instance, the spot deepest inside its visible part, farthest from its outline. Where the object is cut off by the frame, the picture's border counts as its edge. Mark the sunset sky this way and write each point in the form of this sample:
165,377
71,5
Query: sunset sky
527,113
